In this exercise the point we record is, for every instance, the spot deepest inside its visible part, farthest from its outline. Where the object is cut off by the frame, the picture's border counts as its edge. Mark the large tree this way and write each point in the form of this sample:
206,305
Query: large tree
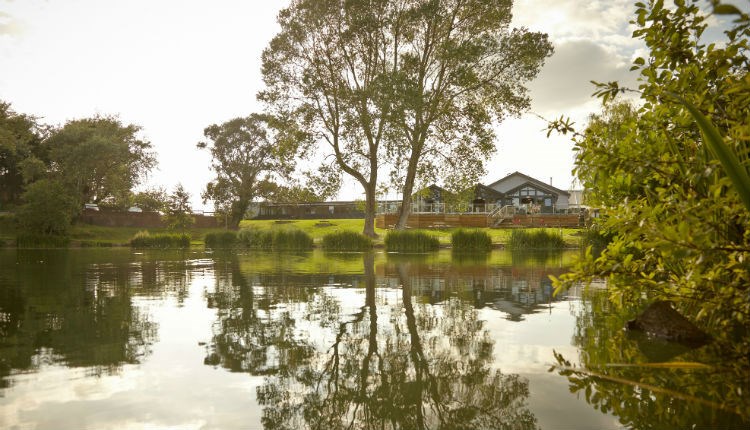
408,85
99,159
248,156
329,68
20,140
462,69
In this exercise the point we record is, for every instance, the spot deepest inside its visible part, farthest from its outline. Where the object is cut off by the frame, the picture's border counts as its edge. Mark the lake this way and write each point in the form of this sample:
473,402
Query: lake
124,339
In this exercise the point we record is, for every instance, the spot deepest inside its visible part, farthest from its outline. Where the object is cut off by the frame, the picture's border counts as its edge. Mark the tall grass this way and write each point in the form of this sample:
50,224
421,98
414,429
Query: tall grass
535,239
287,239
31,240
221,240
143,239
410,241
471,240
346,241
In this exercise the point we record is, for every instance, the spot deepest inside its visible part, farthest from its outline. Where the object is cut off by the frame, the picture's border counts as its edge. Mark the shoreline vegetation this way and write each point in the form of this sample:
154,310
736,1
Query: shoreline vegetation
84,235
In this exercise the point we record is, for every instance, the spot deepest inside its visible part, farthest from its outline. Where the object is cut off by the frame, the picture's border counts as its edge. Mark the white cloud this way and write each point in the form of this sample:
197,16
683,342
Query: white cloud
565,80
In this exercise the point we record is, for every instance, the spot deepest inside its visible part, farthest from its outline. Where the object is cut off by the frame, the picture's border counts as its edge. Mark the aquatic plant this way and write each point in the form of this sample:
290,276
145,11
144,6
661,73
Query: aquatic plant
410,241
535,239
471,240
346,241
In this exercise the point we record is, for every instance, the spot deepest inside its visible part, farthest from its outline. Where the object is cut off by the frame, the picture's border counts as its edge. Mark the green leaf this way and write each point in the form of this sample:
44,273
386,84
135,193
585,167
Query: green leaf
726,9
728,159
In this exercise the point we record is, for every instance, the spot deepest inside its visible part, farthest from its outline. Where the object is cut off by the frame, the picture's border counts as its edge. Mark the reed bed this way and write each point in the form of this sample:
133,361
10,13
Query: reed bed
471,240
346,241
143,239
410,241
288,239
535,239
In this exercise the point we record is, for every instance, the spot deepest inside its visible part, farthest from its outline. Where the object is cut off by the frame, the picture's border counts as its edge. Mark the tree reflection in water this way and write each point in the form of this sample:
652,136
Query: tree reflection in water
59,307
652,384
391,363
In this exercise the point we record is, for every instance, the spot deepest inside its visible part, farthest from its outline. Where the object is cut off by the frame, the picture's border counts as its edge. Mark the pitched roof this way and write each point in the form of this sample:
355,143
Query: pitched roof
535,182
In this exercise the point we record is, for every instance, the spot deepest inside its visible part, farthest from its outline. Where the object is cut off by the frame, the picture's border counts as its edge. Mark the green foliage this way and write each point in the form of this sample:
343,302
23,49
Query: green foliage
249,155
143,239
287,239
471,240
361,74
99,159
410,241
35,240
670,173
20,141
151,200
47,210
178,212
522,239
224,239
597,238
346,241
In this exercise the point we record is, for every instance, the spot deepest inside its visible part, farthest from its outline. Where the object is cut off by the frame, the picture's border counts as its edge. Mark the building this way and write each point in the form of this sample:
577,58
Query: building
503,201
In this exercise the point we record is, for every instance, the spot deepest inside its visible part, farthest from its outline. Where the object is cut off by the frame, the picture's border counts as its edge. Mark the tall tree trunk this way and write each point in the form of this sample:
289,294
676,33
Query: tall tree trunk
370,207
407,191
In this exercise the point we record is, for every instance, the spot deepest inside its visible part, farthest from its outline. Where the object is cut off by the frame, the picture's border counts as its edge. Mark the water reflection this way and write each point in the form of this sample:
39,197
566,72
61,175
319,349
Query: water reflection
379,358
649,383
73,308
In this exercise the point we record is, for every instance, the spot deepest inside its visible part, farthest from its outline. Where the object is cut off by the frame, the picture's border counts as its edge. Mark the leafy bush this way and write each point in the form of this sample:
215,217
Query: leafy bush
143,239
288,239
410,241
346,241
535,239
471,240
224,239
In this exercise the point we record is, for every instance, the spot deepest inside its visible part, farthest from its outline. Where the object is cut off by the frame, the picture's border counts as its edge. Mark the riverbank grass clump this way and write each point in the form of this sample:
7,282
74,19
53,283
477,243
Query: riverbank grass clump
537,238
288,239
471,240
31,240
143,239
346,241
221,240
410,241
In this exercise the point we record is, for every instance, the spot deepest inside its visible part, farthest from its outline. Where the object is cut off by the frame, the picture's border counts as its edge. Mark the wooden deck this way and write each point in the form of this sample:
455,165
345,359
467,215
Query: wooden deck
428,220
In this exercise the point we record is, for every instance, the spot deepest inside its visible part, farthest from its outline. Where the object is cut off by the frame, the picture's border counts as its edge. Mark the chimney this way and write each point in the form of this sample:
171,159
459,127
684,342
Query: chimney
550,181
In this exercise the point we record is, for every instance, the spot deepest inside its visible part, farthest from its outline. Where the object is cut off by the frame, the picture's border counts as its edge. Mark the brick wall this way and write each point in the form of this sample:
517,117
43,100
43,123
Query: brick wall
139,219
477,221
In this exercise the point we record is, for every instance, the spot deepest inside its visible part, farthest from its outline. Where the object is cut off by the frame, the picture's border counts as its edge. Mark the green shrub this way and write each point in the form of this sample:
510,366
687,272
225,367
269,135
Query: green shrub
410,241
31,240
143,239
346,241
224,239
535,239
287,239
471,240
291,240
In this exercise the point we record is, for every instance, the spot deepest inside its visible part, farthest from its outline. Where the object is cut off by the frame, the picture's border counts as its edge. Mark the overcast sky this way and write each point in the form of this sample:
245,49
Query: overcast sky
176,66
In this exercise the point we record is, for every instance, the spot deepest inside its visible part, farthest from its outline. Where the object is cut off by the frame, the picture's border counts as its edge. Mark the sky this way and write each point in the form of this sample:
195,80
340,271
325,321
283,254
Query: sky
174,67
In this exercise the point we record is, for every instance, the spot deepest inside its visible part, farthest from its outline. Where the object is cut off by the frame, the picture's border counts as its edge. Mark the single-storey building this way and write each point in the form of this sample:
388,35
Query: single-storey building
516,192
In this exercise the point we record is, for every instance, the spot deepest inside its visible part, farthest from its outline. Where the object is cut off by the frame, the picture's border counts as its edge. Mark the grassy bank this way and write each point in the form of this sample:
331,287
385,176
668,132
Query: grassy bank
90,235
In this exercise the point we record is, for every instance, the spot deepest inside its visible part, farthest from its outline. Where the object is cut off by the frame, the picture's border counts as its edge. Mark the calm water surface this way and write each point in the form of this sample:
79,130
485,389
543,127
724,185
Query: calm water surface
120,339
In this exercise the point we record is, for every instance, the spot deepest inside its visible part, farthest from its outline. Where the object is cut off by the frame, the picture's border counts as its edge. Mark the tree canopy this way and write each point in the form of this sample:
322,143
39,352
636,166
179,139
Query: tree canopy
408,87
99,159
248,156
20,138
678,223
